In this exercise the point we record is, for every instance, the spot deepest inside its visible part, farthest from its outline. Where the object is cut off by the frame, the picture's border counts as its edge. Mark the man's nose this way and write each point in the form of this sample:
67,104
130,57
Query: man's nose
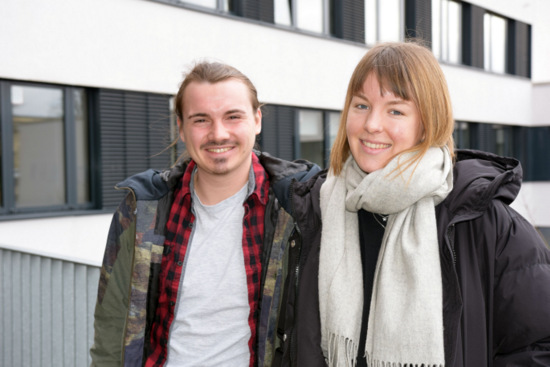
219,131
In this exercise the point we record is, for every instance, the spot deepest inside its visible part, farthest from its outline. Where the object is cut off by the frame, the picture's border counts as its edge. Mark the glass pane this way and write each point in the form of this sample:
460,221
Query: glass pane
333,123
487,41
462,135
310,15
498,44
38,146
311,136
370,22
495,29
82,147
389,22
204,3
436,28
282,12
454,35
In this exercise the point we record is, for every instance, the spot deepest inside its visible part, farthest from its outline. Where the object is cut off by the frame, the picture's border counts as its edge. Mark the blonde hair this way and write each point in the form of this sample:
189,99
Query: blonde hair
411,72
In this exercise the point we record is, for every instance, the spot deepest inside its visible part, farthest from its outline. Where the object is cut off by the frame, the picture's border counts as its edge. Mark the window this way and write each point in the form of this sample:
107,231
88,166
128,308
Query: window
45,147
223,5
461,135
494,43
384,21
309,15
311,133
447,30
333,123
317,131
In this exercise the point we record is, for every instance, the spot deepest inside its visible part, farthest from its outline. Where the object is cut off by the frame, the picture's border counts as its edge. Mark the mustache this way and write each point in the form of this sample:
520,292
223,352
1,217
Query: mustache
217,144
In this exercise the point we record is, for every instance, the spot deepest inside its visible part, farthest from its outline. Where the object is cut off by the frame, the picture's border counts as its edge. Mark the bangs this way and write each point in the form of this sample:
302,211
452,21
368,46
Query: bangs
390,69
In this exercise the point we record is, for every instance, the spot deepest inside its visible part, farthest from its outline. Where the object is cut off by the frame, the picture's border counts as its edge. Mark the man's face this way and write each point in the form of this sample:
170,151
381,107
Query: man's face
219,127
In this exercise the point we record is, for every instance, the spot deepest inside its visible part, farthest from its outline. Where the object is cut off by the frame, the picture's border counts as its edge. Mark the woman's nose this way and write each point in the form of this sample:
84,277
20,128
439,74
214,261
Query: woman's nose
373,122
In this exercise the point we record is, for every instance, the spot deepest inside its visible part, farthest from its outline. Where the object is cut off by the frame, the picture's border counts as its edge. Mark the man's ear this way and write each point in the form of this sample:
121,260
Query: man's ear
258,120
180,129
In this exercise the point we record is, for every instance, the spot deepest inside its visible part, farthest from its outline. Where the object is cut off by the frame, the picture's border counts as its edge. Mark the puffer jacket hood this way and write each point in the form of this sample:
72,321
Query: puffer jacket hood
479,178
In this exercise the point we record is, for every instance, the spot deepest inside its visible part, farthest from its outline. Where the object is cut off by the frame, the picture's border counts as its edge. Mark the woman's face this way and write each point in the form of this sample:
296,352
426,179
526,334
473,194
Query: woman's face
380,126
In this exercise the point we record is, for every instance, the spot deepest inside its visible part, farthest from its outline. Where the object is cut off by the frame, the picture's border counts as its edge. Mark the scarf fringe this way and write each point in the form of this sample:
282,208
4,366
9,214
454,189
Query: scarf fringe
378,363
338,344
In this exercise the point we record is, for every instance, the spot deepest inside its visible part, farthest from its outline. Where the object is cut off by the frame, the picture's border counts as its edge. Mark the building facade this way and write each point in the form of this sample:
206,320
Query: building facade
86,99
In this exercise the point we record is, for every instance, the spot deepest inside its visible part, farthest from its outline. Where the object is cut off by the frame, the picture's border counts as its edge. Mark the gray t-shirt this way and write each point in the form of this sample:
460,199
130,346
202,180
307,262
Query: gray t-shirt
210,326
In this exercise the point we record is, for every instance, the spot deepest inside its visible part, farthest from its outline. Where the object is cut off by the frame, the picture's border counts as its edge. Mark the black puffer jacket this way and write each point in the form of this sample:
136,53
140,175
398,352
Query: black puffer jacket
495,269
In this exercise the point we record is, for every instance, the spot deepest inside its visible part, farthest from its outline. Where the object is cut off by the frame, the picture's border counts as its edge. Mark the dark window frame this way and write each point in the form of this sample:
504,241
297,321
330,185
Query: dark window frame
7,204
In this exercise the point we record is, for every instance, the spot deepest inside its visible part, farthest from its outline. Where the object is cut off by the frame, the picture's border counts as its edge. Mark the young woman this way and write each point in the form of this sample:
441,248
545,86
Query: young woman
422,262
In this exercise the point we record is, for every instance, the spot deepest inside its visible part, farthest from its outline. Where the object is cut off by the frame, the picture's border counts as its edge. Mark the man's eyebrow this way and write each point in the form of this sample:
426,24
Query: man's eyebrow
198,114
236,110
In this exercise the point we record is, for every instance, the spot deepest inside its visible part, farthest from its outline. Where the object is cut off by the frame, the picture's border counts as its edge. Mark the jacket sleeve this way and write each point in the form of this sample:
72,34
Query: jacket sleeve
113,290
521,295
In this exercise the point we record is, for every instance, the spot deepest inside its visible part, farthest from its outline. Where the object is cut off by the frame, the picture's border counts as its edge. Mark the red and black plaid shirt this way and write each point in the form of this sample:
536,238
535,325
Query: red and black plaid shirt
178,231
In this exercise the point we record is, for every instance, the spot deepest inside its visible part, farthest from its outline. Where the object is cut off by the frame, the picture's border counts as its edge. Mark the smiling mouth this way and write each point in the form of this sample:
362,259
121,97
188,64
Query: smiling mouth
375,145
218,150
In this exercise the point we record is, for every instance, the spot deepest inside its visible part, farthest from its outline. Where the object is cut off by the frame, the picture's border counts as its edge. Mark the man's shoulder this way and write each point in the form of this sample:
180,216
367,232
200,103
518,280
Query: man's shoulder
153,184
280,169
283,174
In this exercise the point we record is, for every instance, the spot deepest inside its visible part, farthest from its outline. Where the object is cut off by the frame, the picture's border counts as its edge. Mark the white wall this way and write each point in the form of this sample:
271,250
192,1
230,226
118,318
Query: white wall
143,45
480,96
533,202
79,239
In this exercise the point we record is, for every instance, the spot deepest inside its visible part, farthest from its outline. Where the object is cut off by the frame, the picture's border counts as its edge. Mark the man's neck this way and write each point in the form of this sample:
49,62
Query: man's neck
212,189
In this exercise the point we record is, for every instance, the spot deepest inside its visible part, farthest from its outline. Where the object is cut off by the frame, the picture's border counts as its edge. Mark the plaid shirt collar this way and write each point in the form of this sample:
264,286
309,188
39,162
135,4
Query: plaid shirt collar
259,178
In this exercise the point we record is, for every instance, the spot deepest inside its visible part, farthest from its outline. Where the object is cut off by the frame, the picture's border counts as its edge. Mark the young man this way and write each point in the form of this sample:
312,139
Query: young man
202,262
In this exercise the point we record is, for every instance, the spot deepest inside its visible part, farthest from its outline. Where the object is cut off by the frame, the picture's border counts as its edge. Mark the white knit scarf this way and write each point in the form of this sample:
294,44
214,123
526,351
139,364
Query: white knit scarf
405,323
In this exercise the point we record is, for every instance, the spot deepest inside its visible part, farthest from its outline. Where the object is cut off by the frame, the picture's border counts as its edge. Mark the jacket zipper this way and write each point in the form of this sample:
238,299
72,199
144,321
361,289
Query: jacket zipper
450,238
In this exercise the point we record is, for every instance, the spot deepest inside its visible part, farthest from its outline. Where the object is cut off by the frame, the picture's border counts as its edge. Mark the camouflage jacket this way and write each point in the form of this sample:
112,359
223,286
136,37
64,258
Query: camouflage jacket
128,284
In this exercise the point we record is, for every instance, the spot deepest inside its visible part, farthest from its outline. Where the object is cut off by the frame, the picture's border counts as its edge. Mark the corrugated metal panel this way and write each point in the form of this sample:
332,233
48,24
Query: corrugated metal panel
46,315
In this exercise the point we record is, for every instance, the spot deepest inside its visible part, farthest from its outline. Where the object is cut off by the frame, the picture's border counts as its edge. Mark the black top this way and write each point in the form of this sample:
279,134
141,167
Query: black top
370,238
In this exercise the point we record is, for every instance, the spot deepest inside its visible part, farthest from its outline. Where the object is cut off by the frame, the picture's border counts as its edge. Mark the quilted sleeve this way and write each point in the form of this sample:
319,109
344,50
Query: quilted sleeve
522,295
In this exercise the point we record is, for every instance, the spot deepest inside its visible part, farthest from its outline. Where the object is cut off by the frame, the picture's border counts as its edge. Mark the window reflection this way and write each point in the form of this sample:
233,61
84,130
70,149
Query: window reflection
38,146
383,21
283,13
389,24
447,30
204,3
310,15
82,148
311,136
333,123
495,29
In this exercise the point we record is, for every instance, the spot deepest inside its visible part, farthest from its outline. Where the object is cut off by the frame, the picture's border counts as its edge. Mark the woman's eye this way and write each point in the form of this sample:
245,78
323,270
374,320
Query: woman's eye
395,113
362,106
